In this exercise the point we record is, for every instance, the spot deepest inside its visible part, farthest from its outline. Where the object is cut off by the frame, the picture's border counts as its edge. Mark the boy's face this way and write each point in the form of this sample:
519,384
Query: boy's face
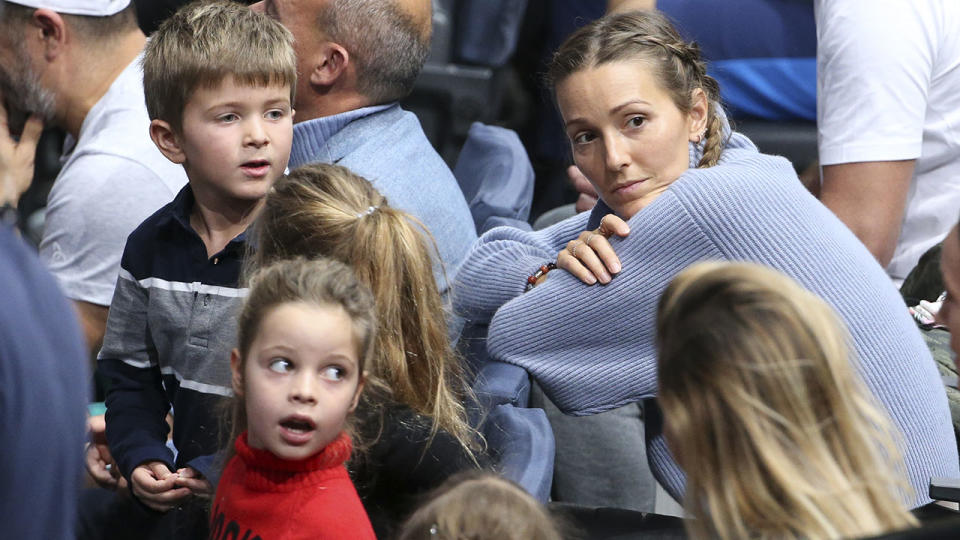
235,140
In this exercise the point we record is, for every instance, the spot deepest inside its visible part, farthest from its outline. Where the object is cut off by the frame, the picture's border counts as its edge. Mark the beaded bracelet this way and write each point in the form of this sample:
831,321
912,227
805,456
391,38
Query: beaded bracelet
538,276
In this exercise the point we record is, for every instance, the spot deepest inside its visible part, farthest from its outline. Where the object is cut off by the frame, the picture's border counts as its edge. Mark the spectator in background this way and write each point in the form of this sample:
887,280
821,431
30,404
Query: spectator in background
41,405
355,60
949,314
888,114
75,64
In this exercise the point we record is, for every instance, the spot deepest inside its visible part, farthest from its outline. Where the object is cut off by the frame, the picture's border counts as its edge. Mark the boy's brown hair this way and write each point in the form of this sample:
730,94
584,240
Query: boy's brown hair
204,42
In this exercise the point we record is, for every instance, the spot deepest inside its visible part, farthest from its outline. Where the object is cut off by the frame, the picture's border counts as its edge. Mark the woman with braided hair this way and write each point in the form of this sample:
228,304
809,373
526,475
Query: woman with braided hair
677,186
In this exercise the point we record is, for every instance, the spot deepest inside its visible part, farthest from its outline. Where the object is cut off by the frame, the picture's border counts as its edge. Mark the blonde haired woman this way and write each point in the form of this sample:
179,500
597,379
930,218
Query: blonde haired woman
412,411
764,411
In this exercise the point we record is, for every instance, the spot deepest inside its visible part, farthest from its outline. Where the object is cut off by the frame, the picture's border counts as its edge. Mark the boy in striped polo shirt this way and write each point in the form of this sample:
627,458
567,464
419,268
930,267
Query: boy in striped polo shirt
219,83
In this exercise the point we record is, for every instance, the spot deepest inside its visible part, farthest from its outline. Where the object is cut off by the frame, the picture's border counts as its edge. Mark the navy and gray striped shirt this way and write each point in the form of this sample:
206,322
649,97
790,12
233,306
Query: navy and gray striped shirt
171,327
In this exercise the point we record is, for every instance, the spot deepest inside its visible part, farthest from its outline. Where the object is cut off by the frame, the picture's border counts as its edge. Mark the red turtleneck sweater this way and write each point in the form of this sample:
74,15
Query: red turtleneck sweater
263,496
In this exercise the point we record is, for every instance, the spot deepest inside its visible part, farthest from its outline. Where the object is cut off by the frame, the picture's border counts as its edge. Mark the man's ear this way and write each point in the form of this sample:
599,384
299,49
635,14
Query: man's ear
236,372
331,61
52,30
167,141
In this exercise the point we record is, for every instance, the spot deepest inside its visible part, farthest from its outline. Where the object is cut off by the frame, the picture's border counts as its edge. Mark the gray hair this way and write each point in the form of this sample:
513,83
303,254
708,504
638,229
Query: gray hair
387,45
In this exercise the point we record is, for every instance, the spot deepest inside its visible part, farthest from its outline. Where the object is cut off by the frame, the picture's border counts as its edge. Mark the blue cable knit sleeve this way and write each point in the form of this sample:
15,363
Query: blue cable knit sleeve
497,267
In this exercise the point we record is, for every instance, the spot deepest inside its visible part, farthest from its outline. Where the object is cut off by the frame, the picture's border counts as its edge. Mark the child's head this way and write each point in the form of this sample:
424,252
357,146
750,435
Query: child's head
480,506
765,413
204,43
219,80
326,210
304,335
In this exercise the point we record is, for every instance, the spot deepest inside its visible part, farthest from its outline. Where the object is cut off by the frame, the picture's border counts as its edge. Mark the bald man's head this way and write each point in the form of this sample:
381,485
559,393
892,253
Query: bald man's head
388,41
420,12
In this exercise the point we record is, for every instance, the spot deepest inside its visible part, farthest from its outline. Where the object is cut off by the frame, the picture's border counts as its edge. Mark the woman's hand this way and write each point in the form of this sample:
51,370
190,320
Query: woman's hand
591,257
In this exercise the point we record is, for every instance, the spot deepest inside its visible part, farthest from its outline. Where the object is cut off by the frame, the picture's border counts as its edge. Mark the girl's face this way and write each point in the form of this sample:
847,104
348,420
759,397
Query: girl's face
627,135
300,380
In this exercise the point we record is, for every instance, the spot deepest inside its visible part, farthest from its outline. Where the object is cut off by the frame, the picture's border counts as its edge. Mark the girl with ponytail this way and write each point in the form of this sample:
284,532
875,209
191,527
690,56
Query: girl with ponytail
412,428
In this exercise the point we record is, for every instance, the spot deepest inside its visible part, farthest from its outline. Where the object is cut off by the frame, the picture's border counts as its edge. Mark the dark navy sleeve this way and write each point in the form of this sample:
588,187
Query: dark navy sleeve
137,404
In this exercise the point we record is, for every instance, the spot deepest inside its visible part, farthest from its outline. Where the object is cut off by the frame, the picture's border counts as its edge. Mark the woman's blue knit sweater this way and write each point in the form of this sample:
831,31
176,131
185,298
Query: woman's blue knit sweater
592,348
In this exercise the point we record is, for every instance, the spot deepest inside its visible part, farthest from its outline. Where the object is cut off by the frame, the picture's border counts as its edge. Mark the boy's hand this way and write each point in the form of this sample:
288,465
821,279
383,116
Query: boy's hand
155,486
192,479
100,465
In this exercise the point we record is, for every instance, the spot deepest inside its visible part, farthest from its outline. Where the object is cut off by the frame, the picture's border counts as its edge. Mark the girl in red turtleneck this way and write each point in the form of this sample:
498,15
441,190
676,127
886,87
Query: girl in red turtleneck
305,332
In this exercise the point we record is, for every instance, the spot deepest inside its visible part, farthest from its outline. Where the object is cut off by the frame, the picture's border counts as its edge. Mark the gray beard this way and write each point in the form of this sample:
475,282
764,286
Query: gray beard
24,95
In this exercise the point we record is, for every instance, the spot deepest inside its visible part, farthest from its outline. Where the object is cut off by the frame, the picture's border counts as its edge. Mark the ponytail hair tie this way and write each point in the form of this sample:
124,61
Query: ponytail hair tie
367,212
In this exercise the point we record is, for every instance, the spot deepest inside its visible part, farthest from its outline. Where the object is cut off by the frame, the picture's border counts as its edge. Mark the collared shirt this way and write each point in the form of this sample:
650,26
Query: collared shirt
171,327
310,136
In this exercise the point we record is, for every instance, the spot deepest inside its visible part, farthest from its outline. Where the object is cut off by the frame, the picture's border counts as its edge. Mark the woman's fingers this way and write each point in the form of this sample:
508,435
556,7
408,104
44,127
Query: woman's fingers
582,259
611,224
590,257
568,261
604,253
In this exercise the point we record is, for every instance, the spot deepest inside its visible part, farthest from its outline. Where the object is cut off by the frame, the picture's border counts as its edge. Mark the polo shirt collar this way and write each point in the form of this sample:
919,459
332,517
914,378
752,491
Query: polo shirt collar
178,212
179,209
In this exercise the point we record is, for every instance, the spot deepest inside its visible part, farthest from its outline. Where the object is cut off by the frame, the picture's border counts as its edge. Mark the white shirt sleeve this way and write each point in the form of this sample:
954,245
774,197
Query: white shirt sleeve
874,60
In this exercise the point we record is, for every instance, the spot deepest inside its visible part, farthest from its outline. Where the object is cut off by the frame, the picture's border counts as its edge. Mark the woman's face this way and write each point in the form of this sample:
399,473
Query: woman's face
627,135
